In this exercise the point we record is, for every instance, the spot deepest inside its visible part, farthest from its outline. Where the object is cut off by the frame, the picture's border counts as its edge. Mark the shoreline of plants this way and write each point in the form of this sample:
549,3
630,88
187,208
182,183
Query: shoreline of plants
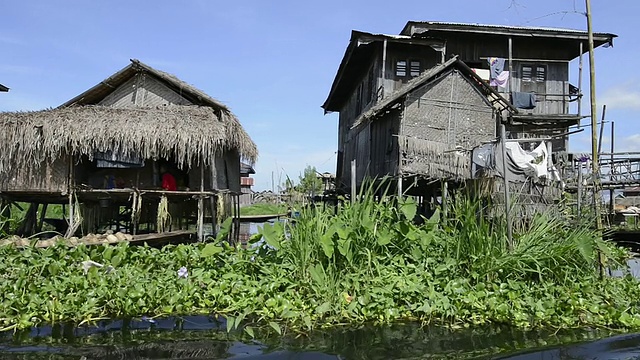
366,263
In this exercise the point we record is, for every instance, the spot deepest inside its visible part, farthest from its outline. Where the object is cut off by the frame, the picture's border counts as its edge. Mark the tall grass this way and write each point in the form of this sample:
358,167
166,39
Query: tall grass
368,256
547,248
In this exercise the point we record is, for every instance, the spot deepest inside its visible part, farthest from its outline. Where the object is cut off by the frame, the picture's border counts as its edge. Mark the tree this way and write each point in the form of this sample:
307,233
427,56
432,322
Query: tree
310,184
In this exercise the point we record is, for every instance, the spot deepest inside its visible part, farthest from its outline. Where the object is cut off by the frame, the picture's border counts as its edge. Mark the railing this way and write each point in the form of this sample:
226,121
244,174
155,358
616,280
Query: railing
554,104
620,168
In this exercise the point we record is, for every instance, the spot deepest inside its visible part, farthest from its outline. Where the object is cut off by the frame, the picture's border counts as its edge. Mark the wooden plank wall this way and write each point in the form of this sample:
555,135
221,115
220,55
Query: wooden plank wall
143,90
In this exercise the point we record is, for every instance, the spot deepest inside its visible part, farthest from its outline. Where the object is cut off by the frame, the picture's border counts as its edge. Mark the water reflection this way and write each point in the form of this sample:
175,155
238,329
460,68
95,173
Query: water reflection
199,337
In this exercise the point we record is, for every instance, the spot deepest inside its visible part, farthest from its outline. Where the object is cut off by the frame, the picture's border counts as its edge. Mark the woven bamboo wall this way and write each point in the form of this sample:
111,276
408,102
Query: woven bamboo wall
44,177
442,116
143,90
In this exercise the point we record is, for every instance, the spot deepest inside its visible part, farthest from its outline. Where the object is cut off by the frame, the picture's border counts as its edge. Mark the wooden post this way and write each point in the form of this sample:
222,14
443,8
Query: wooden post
353,180
42,217
579,195
201,204
384,65
580,85
507,197
611,198
604,111
595,170
70,190
511,65
445,199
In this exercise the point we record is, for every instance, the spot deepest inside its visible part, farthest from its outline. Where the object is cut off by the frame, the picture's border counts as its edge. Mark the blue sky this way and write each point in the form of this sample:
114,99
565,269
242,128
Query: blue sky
272,62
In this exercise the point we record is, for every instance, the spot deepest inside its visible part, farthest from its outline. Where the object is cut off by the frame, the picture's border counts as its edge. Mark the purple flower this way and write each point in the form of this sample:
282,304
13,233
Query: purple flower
148,319
183,273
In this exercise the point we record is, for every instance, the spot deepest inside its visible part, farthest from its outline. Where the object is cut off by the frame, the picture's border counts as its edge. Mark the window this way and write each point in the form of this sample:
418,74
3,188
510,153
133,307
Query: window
415,68
408,68
534,73
401,68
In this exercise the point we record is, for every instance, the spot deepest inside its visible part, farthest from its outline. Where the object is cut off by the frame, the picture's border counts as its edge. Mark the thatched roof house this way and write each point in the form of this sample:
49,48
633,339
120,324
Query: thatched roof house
122,134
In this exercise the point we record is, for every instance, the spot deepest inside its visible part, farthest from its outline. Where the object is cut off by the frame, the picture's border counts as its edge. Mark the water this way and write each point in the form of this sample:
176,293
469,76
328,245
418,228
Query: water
199,337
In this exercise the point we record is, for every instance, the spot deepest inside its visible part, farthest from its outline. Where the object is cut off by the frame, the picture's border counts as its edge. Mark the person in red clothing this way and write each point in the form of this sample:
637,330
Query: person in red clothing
168,181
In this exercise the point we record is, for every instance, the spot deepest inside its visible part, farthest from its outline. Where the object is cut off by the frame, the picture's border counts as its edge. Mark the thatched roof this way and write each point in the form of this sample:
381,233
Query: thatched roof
190,133
108,85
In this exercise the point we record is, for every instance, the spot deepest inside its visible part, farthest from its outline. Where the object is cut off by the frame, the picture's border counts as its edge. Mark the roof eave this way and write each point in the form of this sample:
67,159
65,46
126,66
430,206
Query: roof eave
509,31
359,38
96,87
328,105
426,77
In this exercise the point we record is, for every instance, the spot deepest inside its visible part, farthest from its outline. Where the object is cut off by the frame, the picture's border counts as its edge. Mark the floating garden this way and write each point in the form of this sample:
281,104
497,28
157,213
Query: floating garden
367,262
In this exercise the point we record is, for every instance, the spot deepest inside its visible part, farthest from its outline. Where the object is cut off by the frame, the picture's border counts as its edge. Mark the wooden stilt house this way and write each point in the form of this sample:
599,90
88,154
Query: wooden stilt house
414,105
103,155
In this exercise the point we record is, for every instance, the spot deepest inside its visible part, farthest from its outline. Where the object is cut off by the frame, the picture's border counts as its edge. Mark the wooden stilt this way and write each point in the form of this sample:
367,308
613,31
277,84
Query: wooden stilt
201,205
42,216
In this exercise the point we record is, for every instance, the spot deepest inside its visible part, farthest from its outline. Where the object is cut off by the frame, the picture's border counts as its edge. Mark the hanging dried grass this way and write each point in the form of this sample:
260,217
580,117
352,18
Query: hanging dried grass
164,217
434,159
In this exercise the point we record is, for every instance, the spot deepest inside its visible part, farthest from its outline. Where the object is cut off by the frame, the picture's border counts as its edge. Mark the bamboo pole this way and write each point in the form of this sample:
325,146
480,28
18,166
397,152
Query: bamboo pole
511,65
595,170
580,83
604,111
353,180
507,197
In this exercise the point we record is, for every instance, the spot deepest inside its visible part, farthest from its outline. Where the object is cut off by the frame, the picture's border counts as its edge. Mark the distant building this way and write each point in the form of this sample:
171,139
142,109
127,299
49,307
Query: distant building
328,181
246,182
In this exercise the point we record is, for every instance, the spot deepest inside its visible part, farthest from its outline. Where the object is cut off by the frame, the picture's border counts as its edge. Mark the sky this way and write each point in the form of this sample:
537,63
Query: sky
273,62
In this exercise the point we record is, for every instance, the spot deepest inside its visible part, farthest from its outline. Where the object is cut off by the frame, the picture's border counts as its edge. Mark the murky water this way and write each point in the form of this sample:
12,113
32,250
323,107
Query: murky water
199,337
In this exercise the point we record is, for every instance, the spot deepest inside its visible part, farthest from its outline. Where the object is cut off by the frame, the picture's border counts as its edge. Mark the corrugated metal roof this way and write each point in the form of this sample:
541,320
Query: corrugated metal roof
500,27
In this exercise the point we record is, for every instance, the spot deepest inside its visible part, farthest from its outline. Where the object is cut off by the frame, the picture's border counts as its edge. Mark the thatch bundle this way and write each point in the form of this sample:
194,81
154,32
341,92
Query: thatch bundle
184,133
434,159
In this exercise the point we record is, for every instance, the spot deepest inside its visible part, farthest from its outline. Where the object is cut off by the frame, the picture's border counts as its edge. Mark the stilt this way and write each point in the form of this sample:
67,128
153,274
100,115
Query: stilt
42,216
201,204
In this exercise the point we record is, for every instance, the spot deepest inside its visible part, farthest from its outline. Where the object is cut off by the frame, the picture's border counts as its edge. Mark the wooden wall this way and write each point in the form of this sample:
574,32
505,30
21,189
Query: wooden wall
557,83
43,177
370,88
143,90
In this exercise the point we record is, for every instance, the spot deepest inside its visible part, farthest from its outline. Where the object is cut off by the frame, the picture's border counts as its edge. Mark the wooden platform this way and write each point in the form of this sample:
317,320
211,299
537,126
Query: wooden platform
262,218
170,237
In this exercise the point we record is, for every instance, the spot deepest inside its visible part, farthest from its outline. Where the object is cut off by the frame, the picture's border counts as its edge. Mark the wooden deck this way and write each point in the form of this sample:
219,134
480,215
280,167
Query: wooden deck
262,218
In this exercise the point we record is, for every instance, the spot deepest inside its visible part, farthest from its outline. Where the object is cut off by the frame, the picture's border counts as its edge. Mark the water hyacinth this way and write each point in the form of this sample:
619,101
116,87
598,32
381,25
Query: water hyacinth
183,273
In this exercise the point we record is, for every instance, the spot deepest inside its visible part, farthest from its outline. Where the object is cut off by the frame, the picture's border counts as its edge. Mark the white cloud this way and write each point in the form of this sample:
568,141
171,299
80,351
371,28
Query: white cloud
625,96
628,143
